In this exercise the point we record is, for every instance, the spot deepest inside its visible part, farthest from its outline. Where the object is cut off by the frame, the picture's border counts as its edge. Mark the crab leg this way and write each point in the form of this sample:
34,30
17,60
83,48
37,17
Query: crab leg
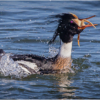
78,40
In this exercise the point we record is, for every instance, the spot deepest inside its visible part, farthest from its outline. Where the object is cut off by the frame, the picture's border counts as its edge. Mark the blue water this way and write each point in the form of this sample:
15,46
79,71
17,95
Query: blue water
27,26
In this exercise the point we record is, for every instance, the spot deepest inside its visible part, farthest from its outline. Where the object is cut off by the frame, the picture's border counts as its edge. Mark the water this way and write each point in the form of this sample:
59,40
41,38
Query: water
27,26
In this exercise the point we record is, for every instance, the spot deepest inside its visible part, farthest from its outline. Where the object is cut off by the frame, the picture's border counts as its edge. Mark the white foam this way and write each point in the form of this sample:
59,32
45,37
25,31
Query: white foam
8,67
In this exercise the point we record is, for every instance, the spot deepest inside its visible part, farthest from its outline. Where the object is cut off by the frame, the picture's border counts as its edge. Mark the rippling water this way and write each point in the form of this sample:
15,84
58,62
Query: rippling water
26,27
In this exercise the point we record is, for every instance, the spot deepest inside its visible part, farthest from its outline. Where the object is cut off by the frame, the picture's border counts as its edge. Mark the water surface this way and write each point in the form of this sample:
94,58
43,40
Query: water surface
27,26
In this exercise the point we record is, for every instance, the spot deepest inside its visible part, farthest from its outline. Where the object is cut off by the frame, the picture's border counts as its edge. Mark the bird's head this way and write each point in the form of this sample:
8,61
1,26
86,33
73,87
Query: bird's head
69,25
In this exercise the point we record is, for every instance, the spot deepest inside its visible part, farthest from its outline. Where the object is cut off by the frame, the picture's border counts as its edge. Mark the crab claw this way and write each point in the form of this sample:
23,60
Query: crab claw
81,24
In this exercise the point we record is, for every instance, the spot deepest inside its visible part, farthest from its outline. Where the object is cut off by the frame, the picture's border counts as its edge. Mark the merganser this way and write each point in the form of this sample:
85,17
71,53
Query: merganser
69,25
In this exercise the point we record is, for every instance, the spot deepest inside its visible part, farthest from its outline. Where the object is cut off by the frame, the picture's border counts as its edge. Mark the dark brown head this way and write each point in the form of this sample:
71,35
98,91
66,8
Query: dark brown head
69,25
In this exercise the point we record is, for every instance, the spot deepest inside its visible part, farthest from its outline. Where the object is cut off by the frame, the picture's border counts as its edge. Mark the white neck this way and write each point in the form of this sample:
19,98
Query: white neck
65,50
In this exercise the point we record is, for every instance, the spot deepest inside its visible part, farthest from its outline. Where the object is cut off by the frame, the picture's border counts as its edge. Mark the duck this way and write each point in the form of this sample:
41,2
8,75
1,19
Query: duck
69,25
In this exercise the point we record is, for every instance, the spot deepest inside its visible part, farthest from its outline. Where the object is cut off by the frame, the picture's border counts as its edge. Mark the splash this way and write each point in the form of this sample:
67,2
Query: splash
8,67
53,51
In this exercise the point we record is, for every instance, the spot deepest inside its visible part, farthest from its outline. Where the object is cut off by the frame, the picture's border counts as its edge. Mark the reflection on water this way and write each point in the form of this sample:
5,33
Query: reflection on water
64,86
26,27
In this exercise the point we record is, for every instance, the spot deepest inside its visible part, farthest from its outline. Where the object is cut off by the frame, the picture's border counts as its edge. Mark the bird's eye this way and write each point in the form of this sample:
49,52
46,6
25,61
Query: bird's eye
71,21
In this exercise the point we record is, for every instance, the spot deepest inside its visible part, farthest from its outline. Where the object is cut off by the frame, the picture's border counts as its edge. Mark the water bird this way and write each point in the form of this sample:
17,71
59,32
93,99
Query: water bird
68,26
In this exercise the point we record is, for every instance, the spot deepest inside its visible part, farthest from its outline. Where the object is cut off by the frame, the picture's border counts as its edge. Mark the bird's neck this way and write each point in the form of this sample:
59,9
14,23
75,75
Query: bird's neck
65,50
63,60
